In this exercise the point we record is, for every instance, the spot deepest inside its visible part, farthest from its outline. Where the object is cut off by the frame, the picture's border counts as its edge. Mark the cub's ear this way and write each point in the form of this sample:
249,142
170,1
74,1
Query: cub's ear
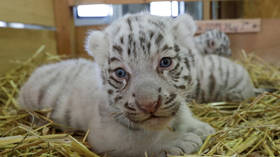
97,46
184,25
183,28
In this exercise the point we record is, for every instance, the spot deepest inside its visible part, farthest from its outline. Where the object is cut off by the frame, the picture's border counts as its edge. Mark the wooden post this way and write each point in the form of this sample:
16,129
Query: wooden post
231,9
64,23
71,2
206,9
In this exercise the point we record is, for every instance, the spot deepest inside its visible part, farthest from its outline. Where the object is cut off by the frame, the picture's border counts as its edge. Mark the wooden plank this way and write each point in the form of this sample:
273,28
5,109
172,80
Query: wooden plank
230,26
231,9
206,9
79,2
64,27
261,9
19,44
39,12
71,2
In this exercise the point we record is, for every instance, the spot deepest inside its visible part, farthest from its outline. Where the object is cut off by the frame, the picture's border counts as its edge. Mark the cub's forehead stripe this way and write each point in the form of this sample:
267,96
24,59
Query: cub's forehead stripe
118,49
157,24
114,59
121,40
166,47
129,24
151,34
176,48
159,39
141,37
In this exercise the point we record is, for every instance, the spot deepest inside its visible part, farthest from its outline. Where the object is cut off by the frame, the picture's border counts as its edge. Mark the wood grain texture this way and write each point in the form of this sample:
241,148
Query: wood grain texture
261,8
230,26
231,9
18,44
65,28
78,2
39,12
71,2
206,9
265,43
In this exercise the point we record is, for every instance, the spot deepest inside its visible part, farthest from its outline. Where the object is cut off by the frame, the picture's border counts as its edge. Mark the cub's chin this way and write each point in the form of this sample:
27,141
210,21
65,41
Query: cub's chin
157,123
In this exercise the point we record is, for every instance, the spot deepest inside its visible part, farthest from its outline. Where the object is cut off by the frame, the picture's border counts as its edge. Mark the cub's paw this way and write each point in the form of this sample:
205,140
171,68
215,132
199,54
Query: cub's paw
203,130
185,144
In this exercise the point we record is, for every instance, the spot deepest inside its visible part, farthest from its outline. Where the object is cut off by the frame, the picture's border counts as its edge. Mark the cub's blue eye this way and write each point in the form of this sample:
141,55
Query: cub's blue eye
120,72
165,62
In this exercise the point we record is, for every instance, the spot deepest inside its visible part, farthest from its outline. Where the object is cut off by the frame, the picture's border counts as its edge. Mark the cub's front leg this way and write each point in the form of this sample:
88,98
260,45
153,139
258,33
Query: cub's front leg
188,133
183,143
184,136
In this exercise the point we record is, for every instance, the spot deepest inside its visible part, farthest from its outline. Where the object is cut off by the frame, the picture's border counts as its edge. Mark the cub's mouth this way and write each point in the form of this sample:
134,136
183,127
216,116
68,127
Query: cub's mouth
153,121
154,117
156,122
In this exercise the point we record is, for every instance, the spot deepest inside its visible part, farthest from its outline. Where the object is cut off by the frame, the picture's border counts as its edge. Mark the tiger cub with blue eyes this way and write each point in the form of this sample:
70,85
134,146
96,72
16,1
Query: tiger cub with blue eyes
134,97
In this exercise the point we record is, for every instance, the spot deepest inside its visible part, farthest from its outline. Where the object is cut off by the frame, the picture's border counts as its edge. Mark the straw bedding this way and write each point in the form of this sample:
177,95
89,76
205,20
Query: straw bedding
250,128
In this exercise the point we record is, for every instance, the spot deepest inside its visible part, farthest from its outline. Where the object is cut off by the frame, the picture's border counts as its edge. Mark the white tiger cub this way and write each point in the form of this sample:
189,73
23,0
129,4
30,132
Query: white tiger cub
133,98
213,42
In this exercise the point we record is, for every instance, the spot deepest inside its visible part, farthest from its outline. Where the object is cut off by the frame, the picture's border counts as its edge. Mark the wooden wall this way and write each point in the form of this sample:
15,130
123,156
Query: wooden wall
39,12
265,43
78,2
261,8
22,43
17,44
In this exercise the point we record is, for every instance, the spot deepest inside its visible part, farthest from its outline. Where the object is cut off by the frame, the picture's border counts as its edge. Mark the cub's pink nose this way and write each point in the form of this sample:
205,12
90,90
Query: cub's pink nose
148,107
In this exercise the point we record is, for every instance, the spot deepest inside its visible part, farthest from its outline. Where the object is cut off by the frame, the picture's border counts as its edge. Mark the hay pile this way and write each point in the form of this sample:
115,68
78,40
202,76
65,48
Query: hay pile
248,128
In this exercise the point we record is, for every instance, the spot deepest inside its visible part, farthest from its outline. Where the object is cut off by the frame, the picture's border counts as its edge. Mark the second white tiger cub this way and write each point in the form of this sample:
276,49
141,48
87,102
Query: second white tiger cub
213,42
133,99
